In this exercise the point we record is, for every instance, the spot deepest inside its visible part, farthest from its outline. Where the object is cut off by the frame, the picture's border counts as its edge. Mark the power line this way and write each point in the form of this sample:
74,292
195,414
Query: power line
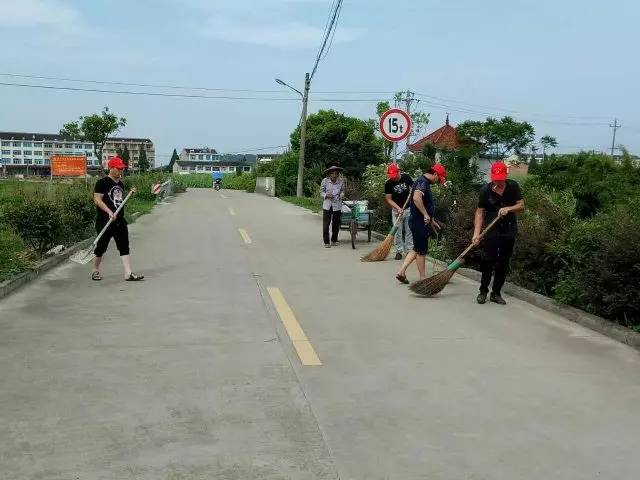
464,107
184,95
519,112
129,84
333,24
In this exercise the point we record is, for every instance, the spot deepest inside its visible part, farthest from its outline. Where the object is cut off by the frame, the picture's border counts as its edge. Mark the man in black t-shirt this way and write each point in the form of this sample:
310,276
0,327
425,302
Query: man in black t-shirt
396,191
501,197
108,197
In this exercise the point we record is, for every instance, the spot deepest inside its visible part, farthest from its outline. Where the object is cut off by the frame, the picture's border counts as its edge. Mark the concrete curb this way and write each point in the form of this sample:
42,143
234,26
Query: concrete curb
593,322
11,285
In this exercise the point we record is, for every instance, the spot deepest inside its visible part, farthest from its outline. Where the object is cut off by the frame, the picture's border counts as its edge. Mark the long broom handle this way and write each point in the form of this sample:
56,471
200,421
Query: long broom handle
484,232
115,214
401,214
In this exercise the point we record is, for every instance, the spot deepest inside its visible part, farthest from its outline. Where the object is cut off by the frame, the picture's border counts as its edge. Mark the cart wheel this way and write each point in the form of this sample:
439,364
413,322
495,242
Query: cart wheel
354,232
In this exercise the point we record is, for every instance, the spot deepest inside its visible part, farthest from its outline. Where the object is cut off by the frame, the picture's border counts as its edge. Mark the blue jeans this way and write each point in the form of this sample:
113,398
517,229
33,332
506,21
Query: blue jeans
400,245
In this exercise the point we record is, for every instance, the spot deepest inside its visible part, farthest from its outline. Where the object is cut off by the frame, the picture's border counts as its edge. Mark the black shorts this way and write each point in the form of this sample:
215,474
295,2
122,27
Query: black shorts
421,233
119,231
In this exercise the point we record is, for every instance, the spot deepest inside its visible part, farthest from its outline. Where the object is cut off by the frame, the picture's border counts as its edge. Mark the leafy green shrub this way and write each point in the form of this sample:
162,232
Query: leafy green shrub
601,265
245,182
38,221
286,175
193,180
77,214
11,260
374,178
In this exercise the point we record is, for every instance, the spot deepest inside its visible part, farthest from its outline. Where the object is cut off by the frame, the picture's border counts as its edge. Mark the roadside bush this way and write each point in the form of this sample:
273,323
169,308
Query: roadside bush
38,221
245,182
374,178
193,180
11,260
286,175
601,265
77,214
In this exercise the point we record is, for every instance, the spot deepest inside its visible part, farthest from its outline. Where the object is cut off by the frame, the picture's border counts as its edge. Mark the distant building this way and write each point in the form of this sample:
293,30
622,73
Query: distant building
207,160
25,153
444,138
133,145
267,157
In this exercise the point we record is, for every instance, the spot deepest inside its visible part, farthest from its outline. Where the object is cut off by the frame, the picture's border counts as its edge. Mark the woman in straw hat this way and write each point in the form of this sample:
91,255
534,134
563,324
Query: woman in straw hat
332,192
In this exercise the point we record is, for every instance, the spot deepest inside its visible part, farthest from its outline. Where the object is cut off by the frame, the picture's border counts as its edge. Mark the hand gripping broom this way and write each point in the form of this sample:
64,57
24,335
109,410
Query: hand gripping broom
381,252
434,284
85,256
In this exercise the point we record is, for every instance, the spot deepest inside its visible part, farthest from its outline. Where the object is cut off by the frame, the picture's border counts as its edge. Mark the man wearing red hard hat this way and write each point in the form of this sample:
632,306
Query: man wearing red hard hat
108,196
501,197
421,220
396,192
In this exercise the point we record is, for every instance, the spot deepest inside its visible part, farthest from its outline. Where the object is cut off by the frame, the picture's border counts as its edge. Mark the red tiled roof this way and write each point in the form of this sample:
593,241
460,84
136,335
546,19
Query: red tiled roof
444,138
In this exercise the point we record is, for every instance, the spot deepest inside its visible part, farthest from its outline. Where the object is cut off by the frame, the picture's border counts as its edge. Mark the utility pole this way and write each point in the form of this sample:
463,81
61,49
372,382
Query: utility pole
303,132
615,127
408,100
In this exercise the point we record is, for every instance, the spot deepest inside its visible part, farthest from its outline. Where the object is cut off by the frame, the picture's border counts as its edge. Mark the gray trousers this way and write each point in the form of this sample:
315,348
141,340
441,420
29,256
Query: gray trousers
403,228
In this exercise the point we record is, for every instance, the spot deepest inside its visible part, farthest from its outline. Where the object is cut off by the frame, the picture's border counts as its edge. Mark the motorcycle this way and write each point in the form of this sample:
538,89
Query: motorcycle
217,184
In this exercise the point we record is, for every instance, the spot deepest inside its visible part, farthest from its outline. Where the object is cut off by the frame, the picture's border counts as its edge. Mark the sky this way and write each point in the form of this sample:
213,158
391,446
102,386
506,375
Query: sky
569,67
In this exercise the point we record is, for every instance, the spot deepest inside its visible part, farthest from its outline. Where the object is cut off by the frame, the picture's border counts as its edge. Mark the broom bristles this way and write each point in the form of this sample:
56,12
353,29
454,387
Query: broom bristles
381,252
432,285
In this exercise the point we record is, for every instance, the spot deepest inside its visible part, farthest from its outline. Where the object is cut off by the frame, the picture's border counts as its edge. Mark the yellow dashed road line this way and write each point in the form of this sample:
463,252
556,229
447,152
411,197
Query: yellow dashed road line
300,341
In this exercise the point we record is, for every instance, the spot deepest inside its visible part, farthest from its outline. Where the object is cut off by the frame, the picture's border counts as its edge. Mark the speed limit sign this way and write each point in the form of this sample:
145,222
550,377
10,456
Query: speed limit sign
395,125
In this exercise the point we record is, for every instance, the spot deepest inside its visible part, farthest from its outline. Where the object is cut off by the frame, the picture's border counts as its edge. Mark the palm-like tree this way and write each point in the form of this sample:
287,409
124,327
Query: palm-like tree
548,142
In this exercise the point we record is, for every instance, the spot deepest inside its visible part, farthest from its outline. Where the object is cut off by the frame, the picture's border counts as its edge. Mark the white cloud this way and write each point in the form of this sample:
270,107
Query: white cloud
283,35
32,13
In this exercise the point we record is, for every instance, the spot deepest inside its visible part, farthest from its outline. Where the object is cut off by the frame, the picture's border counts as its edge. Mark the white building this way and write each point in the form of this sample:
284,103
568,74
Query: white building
207,160
133,145
30,153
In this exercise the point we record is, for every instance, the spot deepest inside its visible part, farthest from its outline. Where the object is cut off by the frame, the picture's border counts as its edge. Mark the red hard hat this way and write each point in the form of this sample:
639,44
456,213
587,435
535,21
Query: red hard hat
439,170
393,170
116,162
499,171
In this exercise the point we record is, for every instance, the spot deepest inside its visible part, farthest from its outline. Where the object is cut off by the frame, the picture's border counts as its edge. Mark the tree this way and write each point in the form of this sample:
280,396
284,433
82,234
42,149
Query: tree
547,141
332,137
143,161
419,119
174,158
94,128
125,155
498,137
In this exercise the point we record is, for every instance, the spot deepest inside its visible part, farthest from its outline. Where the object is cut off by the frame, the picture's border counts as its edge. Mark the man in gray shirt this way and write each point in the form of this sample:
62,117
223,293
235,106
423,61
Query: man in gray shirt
332,192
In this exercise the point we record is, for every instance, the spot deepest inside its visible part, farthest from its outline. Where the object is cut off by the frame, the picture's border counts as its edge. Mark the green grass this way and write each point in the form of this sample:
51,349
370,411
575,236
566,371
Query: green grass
138,205
311,203
11,262
15,257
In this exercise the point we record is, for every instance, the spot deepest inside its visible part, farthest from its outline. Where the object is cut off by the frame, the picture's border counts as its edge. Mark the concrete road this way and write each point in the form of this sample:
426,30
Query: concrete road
209,369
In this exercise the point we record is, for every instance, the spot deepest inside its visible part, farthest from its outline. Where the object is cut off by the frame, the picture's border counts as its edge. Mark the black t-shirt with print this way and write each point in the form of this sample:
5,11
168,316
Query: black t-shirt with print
399,190
112,195
492,202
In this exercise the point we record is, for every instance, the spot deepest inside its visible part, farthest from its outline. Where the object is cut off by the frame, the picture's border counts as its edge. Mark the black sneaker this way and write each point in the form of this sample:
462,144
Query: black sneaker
398,256
482,298
496,298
